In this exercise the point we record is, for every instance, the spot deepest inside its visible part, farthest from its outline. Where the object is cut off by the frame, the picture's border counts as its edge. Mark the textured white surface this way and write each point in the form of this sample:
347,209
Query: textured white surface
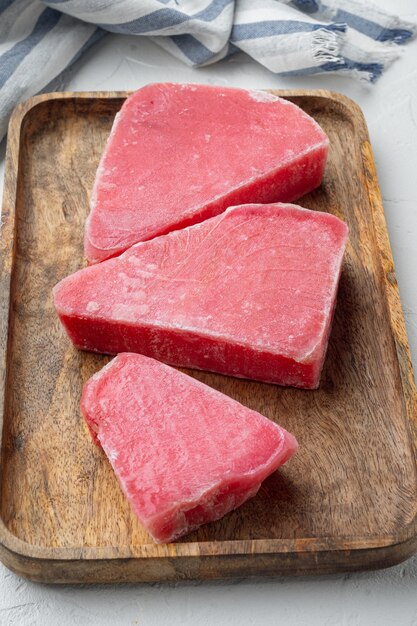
382,598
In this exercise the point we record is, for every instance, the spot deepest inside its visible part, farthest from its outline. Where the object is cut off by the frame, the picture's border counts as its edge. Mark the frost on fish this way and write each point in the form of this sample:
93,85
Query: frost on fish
225,146
184,454
248,293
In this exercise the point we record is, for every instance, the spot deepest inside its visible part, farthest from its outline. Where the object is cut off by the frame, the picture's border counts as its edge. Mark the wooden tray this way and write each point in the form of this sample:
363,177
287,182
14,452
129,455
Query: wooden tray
348,499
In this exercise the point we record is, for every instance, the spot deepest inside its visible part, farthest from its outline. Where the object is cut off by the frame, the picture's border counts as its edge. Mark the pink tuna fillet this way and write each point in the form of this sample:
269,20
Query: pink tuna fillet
179,154
184,454
248,293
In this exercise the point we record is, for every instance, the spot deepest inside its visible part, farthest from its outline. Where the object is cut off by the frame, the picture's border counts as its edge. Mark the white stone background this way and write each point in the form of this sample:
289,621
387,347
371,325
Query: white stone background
382,598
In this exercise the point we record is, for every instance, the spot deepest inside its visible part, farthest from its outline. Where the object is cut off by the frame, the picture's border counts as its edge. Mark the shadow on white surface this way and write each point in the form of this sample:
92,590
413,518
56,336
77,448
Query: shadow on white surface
384,598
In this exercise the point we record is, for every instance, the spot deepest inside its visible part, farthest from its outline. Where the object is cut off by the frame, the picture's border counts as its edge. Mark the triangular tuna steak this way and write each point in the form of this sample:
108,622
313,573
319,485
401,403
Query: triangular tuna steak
184,454
179,154
249,293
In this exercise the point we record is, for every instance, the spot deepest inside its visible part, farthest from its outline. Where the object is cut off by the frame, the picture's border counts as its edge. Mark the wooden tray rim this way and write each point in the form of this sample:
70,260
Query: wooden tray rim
17,554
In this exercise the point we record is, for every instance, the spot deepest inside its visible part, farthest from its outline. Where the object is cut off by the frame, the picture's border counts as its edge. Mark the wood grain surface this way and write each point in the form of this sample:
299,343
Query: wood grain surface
347,501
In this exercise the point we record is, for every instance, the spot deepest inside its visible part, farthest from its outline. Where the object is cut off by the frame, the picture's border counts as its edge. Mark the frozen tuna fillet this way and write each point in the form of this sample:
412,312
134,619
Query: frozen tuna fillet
179,154
184,454
249,293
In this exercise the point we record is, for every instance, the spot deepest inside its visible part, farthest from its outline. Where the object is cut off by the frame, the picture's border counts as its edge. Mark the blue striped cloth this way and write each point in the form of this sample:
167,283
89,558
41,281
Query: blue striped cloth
39,40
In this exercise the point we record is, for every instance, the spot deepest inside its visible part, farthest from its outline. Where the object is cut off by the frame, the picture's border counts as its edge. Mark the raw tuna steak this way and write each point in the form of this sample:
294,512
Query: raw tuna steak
179,154
248,293
184,454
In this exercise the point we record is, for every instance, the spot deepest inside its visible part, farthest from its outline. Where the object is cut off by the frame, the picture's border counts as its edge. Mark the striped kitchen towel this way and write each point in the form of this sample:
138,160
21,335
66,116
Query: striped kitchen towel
39,40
